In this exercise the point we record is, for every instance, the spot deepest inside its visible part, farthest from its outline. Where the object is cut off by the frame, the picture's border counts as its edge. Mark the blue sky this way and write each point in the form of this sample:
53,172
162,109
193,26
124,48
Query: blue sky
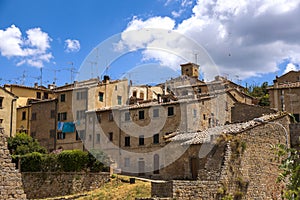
240,37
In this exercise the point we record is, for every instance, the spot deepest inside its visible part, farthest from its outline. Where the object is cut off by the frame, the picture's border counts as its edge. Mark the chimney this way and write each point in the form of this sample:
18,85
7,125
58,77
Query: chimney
36,85
106,79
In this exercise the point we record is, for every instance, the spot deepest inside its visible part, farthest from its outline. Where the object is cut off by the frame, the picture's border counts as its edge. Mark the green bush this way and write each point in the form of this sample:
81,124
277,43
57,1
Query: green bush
31,162
98,161
23,144
73,160
50,163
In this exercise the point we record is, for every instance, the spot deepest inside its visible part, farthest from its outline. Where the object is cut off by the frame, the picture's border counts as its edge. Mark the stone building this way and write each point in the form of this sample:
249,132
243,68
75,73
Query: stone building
8,112
284,94
228,161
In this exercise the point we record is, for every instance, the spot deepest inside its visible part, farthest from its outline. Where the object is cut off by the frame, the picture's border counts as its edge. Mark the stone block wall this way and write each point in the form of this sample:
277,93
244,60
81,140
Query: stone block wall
50,184
182,189
10,178
243,112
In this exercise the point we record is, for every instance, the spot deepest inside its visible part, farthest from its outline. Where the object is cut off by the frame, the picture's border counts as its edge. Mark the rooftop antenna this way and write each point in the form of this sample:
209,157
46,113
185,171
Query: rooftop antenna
72,70
196,58
23,78
92,70
41,79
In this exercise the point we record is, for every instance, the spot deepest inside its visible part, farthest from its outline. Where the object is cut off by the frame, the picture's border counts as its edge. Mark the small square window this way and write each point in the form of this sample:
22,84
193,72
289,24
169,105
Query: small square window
61,135
116,87
62,97
156,139
141,140
119,100
23,115
156,112
1,102
98,138
101,96
141,114
33,116
194,113
111,116
170,111
111,136
127,141
127,116
127,162
38,95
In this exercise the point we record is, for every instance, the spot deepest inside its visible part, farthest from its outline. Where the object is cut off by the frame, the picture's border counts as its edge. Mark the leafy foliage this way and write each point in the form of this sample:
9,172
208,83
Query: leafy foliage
98,161
72,160
261,93
31,162
22,144
290,167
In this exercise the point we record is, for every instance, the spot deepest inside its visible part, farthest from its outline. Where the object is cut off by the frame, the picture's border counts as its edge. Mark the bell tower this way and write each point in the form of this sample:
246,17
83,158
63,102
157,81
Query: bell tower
190,70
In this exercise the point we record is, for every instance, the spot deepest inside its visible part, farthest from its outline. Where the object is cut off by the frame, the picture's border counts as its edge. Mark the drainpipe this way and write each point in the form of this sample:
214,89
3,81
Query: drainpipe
11,116
28,132
55,124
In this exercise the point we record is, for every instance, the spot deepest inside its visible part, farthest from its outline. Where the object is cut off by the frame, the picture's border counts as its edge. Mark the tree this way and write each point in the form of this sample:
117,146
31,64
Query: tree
22,144
261,93
290,171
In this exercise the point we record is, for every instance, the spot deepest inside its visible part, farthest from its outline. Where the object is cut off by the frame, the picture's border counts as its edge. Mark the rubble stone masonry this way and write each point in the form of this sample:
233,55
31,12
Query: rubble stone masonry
10,178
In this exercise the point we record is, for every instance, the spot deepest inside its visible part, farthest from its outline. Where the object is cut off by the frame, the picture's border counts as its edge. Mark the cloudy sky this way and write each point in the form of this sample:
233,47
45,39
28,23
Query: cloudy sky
247,41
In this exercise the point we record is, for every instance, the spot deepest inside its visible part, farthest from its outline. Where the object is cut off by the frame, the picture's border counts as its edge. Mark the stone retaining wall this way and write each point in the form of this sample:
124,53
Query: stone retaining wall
10,178
41,185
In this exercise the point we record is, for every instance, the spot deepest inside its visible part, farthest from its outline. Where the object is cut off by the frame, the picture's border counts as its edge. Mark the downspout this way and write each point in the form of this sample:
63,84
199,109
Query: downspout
55,124
11,116
28,132
85,123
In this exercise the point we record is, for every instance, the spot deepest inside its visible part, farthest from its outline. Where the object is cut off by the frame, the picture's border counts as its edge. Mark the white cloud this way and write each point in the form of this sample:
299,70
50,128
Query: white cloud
31,50
72,45
244,38
290,67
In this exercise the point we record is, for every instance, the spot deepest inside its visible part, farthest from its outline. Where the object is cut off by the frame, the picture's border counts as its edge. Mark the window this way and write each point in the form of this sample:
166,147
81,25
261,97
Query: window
52,133
116,87
126,162
80,114
38,95
52,114
80,135
1,121
156,163
61,135
98,138
110,136
141,140
90,137
156,138
204,117
62,97
127,116
156,112
141,114
110,116
23,115
127,141
142,95
33,116
46,96
194,113
99,117
134,94
101,96
62,116
119,100
1,102
81,95
170,111
199,90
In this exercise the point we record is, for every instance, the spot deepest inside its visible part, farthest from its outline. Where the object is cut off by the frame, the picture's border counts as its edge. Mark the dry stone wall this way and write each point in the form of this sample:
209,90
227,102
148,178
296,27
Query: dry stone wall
10,178
41,185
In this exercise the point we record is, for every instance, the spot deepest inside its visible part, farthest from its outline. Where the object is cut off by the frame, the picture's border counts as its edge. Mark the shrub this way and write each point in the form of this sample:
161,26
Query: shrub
50,163
31,162
72,160
98,161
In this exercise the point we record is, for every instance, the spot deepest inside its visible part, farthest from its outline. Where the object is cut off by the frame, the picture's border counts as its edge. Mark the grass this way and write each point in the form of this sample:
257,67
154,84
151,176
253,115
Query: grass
118,188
